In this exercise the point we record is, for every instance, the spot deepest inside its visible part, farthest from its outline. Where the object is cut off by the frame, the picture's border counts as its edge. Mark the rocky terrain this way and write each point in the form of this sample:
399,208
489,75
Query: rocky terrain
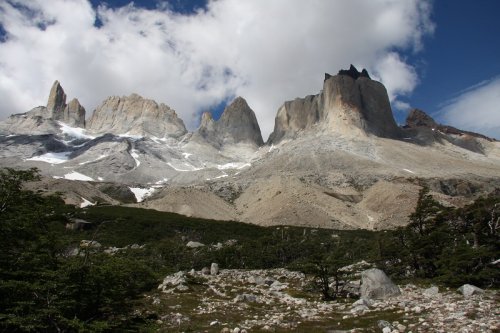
278,300
336,159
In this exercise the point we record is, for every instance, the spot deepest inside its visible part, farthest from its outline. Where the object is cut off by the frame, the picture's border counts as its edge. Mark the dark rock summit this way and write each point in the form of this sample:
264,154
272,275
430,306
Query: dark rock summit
354,73
350,103
418,119
237,124
427,131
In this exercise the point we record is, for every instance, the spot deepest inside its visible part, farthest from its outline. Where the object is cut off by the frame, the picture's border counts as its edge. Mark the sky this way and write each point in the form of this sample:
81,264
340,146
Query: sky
440,56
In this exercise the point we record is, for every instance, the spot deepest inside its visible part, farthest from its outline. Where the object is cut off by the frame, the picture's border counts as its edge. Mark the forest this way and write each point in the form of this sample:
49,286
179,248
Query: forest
58,277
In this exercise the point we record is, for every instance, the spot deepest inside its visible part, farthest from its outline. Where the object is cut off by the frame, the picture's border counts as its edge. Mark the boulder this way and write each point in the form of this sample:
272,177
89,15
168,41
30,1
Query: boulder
375,284
214,269
432,291
194,245
469,290
173,282
245,298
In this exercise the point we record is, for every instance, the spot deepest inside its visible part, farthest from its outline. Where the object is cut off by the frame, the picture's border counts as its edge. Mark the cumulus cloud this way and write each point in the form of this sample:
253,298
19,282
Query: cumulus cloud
477,109
265,51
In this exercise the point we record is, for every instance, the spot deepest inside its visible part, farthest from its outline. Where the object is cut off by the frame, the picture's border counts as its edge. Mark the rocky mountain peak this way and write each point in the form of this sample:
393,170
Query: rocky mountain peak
136,115
56,102
44,119
351,103
206,118
237,123
418,118
74,114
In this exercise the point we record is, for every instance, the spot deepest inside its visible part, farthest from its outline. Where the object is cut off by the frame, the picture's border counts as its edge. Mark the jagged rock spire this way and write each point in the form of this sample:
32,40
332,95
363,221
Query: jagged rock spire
56,102
72,114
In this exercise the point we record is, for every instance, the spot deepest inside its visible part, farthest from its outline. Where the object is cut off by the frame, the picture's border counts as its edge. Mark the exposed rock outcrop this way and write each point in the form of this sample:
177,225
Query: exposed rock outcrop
351,103
237,124
56,102
135,115
426,130
74,114
419,119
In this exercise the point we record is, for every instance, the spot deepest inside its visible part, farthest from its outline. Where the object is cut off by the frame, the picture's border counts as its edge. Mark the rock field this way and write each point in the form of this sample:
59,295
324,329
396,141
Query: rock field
278,300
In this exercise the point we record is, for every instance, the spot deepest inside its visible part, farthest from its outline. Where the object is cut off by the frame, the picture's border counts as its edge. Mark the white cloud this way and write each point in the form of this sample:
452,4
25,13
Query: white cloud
398,77
477,109
265,51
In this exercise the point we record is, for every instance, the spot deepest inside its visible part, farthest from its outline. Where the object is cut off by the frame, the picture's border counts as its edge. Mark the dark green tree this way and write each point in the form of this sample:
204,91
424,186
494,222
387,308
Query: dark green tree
44,290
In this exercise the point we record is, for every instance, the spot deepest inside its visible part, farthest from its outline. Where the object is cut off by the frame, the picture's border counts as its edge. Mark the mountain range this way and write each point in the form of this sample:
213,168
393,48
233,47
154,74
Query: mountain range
337,159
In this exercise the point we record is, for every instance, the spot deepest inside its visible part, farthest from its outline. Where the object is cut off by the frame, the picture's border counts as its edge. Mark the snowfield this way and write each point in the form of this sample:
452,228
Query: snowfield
52,158
142,193
233,165
78,176
74,132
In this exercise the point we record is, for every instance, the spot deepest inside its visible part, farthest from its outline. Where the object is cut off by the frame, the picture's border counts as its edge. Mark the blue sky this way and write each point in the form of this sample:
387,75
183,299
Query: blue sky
463,52
440,56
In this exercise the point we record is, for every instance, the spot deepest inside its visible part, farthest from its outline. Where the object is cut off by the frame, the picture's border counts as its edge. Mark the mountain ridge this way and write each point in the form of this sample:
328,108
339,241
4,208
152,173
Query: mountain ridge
335,160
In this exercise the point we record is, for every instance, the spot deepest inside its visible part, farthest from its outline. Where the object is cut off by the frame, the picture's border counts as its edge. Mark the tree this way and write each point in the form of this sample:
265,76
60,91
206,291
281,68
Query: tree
325,267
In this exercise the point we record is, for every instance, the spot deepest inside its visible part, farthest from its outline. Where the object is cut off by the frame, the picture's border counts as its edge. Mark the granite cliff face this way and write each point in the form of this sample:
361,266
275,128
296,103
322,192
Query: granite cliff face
237,124
334,160
135,115
350,104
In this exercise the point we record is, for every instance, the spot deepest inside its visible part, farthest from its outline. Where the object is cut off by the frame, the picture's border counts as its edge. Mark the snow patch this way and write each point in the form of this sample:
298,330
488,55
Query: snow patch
157,139
86,203
184,167
52,158
75,132
186,155
221,176
161,181
100,179
131,136
407,170
233,165
135,155
142,193
77,176
271,148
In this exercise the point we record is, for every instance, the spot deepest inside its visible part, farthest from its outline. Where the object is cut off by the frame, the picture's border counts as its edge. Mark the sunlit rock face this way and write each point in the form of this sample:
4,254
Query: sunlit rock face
237,124
350,104
135,115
